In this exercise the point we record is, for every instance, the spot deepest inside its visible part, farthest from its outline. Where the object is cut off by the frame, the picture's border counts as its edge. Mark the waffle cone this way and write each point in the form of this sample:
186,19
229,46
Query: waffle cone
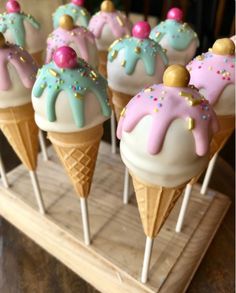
155,204
18,125
119,101
38,57
227,125
102,68
78,153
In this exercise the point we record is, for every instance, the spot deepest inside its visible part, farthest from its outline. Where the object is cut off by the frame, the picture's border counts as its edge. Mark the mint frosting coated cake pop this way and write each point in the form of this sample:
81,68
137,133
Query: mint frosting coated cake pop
76,10
77,37
20,28
69,95
176,37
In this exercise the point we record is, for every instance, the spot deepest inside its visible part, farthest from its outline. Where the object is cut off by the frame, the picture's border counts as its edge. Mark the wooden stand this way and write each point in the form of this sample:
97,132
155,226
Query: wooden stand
113,262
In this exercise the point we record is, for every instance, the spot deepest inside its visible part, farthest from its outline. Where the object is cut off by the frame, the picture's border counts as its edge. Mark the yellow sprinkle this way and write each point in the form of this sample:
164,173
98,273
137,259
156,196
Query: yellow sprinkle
94,74
185,25
180,30
191,123
114,54
137,50
190,99
72,33
163,92
155,110
149,89
210,49
200,57
74,10
164,50
157,34
83,12
22,59
123,63
53,73
195,35
78,96
120,21
122,113
113,44
210,67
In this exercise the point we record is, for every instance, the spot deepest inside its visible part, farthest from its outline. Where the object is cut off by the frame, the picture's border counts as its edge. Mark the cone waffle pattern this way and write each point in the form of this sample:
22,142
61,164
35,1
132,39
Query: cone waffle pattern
119,101
102,68
18,125
155,204
78,153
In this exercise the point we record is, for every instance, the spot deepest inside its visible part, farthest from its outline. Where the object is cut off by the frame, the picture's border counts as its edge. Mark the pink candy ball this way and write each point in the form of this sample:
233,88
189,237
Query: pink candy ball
65,57
175,14
12,6
141,30
78,2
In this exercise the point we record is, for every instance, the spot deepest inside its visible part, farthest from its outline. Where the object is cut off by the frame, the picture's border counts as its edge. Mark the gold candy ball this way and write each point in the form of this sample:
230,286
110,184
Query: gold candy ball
107,6
66,22
2,40
223,47
176,76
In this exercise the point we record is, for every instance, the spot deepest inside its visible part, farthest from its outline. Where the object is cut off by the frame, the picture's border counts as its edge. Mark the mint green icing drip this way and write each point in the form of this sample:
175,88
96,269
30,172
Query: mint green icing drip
136,49
76,83
179,34
75,11
14,22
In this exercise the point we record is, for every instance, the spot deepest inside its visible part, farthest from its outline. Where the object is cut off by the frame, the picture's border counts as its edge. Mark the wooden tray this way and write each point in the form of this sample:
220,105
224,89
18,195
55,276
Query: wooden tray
113,262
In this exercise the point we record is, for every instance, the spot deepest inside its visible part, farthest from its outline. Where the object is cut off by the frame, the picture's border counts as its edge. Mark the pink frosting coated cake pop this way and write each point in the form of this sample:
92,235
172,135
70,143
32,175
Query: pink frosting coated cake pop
175,14
79,36
65,57
13,6
141,30
165,104
212,72
78,2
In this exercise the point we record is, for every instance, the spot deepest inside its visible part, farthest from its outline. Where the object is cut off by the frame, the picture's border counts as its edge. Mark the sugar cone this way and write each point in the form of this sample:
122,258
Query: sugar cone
18,125
227,126
102,68
38,57
78,153
155,204
119,101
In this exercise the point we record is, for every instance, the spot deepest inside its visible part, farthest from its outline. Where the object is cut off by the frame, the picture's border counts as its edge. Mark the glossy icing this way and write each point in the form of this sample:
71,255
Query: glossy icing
75,84
166,104
79,14
79,38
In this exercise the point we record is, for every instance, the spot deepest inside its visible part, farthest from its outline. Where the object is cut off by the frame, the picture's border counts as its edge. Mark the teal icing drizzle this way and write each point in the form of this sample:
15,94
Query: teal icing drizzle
75,11
76,83
179,34
136,49
14,22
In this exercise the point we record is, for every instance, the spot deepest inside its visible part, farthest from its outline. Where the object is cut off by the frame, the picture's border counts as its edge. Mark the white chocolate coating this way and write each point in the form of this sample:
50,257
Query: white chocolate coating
18,94
65,122
35,41
119,81
175,165
179,57
107,38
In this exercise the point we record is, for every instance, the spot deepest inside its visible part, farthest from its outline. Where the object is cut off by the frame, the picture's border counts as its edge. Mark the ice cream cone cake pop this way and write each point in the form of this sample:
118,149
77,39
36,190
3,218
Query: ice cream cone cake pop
165,133
18,72
107,26
70,102
22,29
76,37
76,9
134,63
178,38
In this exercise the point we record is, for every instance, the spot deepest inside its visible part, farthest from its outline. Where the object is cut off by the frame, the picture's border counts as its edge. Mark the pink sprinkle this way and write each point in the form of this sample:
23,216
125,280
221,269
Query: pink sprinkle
199,67
13,6
141,30
175,14
218,72
65,57
155,99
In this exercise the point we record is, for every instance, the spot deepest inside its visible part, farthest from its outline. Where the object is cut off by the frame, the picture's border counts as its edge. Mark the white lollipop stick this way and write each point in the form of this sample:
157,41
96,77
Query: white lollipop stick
126,187
3,174
85,220
43,145
208,174
183,208
113,133
147,259
37,191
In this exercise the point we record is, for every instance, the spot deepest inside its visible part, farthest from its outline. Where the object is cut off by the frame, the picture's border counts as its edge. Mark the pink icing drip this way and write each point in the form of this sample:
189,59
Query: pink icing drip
25,66
171,107
209,74
98,21
79,36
